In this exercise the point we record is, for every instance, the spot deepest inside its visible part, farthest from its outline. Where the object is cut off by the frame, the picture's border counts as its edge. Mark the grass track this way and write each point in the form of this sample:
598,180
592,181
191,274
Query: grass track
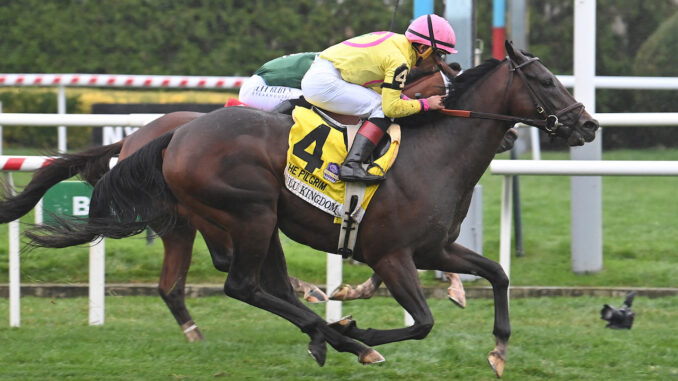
553,338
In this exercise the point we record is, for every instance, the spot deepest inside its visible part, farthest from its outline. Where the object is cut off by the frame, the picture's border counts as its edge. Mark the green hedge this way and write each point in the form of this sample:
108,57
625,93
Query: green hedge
655,57
234,37
201,37
22,101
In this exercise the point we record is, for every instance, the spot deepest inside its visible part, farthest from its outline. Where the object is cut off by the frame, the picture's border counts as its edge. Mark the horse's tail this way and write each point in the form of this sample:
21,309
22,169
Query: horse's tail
90,164
129,197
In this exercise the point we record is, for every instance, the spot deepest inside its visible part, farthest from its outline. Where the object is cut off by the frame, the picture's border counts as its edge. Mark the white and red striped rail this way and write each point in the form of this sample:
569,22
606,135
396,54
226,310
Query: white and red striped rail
23,163
122,80
235,82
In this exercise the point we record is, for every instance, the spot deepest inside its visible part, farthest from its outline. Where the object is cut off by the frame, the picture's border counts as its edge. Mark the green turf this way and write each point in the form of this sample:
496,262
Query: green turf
553,338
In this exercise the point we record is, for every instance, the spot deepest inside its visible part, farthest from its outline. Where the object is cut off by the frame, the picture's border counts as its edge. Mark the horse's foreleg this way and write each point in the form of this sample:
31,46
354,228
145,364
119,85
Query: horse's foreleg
312,293
178,251
457,258
402,279
363,291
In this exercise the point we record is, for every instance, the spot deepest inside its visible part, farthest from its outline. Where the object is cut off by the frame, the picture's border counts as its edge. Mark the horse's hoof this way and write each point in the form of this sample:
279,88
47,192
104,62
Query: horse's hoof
456,291
318,351
341,293
343,325
195,335
315,296
192,332
370,356
459,301
497,363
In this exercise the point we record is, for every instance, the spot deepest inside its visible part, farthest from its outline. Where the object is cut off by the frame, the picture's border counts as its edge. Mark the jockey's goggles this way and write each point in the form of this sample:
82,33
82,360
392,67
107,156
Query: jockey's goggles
427,53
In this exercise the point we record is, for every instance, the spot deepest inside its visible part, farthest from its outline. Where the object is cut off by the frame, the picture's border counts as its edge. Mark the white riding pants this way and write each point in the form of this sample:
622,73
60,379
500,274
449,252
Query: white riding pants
256,93
323,86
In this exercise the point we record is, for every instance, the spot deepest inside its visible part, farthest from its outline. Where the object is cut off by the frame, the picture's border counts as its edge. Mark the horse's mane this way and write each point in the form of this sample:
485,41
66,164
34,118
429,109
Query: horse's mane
458,86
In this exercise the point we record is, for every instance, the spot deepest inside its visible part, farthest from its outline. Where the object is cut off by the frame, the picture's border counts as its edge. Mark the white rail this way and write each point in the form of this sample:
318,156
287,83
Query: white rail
510,168
93,120
624,83
97,253
137,120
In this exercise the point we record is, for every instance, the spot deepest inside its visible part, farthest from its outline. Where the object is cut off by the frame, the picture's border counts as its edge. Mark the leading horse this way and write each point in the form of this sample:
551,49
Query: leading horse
224,173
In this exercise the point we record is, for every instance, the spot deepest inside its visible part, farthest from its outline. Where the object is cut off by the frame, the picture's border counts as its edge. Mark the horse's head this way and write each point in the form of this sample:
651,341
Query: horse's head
540,95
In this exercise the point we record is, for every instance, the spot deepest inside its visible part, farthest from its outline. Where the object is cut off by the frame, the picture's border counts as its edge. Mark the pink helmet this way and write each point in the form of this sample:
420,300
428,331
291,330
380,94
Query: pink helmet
433,31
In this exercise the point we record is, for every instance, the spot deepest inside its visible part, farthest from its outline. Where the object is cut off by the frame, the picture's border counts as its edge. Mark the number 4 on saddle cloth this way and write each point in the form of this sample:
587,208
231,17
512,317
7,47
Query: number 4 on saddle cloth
317,147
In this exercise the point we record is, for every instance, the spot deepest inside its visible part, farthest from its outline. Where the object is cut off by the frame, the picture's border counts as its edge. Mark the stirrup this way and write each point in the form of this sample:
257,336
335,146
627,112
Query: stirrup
358,173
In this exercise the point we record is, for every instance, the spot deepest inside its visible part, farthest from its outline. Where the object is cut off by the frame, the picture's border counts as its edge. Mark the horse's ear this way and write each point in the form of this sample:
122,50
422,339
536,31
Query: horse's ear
509,50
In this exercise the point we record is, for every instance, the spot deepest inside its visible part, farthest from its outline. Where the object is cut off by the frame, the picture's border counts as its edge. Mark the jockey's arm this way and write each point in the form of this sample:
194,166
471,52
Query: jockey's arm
391,102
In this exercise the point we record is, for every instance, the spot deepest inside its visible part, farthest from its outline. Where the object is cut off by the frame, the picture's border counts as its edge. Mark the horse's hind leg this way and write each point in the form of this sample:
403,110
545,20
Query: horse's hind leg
368,288
457,258
402,279
178,252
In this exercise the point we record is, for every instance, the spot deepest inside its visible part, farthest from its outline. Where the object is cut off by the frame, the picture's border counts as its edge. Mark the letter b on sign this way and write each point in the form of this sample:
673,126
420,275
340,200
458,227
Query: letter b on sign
68,198
80,205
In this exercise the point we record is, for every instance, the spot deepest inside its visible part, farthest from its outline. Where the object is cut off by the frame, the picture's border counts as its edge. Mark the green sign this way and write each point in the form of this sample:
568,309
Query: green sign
68,198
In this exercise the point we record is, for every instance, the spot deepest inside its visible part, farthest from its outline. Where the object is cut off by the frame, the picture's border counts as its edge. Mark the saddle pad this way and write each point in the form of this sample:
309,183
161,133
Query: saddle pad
314,157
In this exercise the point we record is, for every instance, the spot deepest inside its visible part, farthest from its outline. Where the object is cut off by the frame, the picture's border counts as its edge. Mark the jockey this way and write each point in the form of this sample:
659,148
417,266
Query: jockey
276,81
364,76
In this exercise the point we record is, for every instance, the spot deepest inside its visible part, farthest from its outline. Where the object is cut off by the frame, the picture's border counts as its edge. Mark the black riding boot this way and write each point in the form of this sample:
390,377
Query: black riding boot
365,140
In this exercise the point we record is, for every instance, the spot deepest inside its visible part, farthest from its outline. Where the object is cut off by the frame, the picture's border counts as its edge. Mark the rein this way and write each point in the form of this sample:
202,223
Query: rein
550,124
544,124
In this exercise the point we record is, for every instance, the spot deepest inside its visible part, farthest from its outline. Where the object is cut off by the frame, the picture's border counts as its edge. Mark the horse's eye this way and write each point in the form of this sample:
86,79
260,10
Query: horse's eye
548,82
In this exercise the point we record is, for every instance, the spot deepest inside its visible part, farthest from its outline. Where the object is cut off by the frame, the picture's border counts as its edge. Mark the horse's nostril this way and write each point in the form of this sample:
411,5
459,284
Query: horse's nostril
591,124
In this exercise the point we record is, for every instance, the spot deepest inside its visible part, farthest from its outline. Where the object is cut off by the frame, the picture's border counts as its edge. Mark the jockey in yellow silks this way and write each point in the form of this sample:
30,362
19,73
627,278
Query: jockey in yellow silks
364,76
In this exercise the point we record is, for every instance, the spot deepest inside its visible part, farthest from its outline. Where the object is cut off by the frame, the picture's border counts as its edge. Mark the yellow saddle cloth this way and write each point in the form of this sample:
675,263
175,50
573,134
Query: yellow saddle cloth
314,157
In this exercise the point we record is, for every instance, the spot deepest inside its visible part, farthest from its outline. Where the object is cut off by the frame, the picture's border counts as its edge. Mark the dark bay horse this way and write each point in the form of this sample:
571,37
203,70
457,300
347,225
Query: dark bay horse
223,172
93,163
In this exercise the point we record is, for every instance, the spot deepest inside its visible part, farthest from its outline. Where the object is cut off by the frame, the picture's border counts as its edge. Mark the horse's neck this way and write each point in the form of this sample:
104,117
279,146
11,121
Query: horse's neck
475,141
451,154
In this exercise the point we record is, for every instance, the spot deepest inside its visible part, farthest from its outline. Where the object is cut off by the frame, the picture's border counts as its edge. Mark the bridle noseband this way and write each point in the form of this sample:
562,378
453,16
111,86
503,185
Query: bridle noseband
551,122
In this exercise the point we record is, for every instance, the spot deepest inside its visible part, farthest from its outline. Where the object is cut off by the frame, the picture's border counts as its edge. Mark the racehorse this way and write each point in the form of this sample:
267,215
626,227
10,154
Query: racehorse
224,173
93,163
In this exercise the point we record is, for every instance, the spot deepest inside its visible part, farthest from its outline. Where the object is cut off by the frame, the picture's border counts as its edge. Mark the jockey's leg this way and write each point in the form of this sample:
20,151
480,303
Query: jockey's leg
368,136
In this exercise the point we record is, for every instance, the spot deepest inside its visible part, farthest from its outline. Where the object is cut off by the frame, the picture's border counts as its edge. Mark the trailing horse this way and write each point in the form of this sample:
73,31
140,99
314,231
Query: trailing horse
224,173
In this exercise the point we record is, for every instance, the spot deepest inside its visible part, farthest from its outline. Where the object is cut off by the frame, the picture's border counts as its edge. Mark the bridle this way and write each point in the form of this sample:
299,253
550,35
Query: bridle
551,120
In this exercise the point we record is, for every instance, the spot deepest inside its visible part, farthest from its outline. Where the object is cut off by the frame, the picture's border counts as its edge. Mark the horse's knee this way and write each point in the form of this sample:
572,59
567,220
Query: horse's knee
499,277
221,264
238,290
164,295
422,330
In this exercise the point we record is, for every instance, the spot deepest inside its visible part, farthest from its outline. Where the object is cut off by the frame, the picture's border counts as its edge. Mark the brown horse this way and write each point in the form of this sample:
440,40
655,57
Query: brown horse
224,172
93,163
